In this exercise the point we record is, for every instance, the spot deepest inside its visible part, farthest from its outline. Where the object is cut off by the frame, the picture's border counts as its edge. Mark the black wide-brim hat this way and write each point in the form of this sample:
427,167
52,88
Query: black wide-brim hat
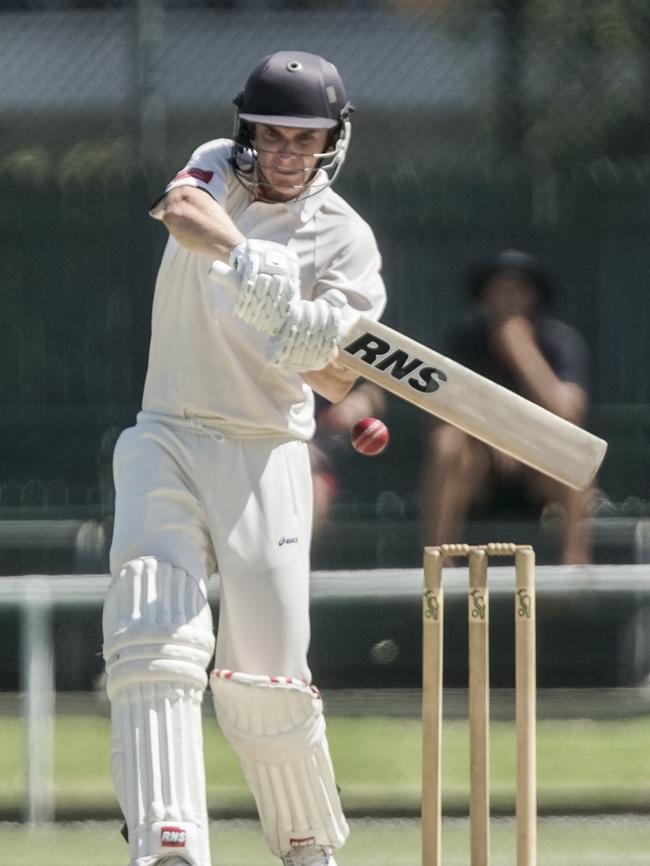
525,265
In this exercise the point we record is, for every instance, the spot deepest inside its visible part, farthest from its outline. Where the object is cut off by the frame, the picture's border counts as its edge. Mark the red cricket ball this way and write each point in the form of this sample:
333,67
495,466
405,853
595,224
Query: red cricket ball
369,436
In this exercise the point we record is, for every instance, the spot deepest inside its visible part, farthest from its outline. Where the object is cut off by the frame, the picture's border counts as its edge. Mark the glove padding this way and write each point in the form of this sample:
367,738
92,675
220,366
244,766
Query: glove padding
270,281
309,337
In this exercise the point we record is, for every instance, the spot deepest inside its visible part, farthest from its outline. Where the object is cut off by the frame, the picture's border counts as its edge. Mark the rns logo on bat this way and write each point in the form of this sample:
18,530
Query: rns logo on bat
380,354
173,837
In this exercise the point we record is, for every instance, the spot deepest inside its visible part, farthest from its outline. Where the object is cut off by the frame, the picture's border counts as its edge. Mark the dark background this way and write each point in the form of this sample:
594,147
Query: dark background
480,125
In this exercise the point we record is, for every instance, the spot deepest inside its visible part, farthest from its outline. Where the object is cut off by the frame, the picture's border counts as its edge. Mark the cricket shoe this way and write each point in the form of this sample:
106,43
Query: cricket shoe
172,861
311,855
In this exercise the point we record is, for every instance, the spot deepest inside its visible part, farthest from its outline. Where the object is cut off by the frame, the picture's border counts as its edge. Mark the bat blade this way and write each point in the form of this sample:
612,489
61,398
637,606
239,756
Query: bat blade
480,407
469,401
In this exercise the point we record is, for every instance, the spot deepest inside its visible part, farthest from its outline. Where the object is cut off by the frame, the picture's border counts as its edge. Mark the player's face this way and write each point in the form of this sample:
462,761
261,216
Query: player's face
286,159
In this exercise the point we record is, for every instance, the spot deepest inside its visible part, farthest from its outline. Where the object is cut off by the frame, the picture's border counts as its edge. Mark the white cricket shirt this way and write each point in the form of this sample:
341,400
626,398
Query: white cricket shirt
205,363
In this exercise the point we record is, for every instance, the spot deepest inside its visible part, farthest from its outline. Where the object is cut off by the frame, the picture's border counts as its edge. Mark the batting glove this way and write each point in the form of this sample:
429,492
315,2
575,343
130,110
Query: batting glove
309,338
270,281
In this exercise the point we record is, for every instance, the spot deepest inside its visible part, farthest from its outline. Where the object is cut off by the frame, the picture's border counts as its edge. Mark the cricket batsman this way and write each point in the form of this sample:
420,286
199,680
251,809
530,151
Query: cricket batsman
215,475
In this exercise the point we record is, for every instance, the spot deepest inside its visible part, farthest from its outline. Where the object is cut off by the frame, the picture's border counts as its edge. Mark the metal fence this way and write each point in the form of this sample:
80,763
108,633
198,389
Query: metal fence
471,81
480,124
77,277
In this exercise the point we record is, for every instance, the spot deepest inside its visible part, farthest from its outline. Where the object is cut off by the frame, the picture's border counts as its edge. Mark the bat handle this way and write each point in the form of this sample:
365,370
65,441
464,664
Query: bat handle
222,273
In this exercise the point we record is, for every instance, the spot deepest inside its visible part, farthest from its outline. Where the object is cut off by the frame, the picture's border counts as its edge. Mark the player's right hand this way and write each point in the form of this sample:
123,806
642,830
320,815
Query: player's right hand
270,280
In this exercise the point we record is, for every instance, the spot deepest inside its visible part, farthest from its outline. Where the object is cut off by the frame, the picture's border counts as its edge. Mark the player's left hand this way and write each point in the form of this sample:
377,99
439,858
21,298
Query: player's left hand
270,281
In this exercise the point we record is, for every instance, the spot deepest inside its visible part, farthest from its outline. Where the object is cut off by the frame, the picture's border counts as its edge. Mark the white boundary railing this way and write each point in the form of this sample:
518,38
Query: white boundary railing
36,596
37,675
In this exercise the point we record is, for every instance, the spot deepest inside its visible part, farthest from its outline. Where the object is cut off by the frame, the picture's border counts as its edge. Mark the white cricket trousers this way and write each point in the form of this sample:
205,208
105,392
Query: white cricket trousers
191,500
203,502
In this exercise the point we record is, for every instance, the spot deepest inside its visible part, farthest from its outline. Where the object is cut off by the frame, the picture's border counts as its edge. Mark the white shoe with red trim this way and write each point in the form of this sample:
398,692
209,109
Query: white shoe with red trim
312,855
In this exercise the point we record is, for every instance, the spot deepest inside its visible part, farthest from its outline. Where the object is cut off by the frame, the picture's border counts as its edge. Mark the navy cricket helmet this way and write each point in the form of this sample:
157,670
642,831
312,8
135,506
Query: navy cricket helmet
294,89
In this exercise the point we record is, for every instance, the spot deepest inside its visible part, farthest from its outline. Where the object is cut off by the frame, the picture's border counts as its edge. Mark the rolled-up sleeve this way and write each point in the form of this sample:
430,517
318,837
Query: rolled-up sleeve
207,169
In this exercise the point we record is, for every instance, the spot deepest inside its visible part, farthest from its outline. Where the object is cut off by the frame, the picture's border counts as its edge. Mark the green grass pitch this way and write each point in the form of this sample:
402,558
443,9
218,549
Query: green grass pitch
619,841
583,766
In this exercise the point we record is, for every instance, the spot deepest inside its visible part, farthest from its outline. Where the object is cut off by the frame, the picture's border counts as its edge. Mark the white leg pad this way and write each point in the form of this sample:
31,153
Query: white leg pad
158,642
276,726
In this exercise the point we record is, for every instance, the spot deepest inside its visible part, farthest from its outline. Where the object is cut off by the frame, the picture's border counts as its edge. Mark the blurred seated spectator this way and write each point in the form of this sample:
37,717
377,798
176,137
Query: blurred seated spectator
334,422
509,338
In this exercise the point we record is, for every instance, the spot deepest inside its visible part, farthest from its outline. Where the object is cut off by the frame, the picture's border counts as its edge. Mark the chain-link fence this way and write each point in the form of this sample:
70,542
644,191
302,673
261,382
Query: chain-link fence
81,254
480,124
552,83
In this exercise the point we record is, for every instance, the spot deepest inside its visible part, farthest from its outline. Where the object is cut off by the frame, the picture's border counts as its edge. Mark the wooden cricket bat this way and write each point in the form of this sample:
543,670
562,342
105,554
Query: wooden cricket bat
458,395
477,405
